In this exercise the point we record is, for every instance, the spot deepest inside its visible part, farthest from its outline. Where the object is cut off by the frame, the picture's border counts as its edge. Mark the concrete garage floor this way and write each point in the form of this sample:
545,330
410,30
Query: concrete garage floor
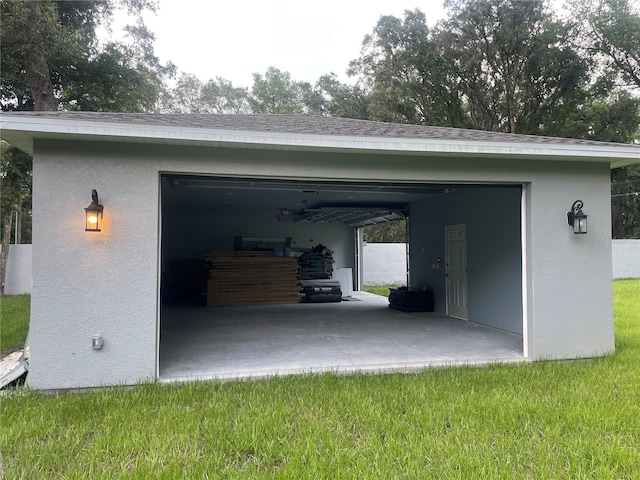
359,335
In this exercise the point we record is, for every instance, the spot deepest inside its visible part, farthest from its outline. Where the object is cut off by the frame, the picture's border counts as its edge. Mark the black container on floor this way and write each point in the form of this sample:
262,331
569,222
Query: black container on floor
411,300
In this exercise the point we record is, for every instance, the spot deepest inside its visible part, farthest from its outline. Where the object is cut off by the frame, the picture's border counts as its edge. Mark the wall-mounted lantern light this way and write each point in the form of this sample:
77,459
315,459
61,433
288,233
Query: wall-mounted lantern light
576,218
93,214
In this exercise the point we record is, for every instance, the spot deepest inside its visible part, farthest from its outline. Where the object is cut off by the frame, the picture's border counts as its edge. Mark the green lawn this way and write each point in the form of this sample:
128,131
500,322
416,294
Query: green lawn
379,289
14,322
564,420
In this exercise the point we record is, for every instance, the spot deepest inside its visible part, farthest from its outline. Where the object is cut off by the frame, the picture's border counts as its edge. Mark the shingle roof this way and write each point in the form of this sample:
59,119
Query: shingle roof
302,124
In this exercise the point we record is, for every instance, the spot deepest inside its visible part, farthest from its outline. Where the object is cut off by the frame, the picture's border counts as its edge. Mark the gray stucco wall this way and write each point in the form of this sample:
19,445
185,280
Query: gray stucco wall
569,276
107,283
626,258
18,278
492,217
87,283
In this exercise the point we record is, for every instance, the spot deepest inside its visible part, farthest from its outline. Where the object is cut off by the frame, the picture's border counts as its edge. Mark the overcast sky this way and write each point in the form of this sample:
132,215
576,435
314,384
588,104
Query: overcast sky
233,39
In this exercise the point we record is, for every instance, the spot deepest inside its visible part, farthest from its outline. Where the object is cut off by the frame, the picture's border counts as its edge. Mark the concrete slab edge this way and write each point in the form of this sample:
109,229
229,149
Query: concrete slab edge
345,370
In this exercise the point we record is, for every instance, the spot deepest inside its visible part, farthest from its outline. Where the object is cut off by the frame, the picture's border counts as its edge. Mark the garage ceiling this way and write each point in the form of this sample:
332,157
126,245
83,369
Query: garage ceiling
355,204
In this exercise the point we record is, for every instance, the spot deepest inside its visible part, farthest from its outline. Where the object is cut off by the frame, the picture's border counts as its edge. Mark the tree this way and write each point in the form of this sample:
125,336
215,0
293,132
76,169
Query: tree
625,202
513,63
341,99
277,92
609,32
52,59
390,232
408,79
185,96
606,114
31,33
223,97
191,95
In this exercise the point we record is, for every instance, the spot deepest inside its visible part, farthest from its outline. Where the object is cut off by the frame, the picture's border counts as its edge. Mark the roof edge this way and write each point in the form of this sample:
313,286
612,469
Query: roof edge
22,130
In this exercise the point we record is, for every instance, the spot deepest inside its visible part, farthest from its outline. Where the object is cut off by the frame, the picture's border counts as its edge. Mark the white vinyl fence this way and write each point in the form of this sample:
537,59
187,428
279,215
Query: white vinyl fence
384,264
18,279
626,258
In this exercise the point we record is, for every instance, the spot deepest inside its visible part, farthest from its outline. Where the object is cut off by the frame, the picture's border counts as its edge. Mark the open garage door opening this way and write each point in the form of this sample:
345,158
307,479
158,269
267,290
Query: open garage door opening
264,236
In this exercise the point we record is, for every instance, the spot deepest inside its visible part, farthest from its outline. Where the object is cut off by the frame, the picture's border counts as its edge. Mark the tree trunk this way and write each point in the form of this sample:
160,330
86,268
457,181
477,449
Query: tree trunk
510,91
37,68
4,255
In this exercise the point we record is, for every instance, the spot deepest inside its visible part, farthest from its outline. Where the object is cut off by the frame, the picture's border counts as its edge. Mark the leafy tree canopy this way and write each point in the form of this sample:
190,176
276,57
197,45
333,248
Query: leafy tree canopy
391,232
52,58
609,32
273,92
277,92
408,78
513,63
191,95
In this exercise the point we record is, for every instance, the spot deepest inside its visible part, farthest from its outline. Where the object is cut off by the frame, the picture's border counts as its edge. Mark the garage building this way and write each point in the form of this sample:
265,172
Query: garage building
488,235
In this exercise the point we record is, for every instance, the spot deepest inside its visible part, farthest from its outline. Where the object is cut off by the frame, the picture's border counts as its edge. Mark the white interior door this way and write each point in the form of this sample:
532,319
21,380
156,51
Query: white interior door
456,270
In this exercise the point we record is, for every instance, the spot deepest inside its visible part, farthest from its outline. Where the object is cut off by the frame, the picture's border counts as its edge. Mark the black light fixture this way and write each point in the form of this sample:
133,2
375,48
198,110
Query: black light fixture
576,218
93,214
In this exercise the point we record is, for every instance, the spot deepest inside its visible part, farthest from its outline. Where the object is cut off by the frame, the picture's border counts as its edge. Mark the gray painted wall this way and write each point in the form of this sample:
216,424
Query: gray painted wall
492,217
384,264
18,278
194,235
107,283
626,258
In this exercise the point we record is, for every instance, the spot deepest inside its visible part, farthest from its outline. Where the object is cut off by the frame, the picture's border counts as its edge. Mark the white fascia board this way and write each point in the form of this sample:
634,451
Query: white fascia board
34,127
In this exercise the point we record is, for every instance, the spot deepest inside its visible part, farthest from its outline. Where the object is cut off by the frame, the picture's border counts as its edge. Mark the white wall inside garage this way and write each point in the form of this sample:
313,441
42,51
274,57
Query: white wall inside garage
494,260
107,283
194,235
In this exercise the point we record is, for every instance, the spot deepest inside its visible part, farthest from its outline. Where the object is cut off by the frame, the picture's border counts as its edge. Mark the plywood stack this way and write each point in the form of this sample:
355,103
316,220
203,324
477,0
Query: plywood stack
250,278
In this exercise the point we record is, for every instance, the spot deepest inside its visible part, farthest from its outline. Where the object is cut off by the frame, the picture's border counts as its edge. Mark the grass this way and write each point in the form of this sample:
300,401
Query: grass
379,289
569,420
14,322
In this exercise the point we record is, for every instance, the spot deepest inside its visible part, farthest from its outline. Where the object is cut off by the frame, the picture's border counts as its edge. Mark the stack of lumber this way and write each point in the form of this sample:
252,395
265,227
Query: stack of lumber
316,264
250,278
